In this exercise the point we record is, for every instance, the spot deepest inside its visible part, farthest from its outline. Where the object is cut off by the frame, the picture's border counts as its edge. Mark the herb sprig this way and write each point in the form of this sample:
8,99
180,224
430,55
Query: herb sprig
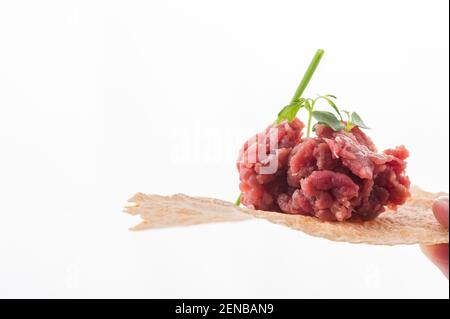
337,123
289,112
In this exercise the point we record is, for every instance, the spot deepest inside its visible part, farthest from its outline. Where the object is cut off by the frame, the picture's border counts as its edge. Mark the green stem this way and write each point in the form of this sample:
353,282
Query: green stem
349,125
308,75
310,116
308,132
238,200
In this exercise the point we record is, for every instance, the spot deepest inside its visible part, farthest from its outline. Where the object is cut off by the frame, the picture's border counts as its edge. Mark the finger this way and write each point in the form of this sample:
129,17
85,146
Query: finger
440,210
438,254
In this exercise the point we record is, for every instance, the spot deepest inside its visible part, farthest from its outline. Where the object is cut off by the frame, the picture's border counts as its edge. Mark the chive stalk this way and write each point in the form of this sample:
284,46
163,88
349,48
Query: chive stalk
308,75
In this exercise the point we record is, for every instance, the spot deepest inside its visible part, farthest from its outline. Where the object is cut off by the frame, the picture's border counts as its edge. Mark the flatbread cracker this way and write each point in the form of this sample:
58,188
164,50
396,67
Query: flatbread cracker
412,223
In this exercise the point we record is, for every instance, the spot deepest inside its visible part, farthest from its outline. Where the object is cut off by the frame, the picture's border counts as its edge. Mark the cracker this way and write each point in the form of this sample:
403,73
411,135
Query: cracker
412,223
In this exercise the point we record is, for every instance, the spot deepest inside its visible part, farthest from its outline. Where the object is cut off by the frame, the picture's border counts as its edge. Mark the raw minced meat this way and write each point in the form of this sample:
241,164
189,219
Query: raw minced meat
260,185
334,176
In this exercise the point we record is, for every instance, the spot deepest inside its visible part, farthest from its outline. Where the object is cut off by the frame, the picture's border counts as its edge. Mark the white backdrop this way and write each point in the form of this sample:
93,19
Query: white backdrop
102,99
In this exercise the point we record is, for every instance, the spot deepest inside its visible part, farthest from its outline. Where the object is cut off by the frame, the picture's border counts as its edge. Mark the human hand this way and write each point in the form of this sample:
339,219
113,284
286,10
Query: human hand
438,254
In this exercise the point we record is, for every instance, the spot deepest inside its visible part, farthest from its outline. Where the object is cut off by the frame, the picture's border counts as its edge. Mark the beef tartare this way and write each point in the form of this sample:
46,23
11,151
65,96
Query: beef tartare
335,175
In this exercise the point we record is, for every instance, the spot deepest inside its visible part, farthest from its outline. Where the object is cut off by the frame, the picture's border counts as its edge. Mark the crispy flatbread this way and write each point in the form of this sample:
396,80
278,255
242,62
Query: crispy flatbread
412,223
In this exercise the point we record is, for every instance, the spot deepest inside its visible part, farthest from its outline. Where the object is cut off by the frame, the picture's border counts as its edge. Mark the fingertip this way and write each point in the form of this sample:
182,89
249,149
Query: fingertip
440,210
438,254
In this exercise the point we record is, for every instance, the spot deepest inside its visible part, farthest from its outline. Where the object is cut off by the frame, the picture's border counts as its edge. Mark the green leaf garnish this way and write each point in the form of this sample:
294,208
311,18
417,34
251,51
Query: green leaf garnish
289,112
357,120
328,118
354,120
349,126
329,98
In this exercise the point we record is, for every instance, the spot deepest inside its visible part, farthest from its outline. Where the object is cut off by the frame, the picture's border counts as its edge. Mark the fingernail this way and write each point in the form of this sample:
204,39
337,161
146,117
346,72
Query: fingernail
442,199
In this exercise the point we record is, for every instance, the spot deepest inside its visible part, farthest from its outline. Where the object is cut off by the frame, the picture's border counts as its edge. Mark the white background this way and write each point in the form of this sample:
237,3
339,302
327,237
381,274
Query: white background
102,99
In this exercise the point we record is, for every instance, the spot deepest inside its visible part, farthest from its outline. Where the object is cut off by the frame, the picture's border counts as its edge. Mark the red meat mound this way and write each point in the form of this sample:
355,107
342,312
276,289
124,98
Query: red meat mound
260,185
334,176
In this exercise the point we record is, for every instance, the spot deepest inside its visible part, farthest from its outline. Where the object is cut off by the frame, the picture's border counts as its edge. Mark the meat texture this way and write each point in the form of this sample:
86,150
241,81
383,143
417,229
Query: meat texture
334,176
